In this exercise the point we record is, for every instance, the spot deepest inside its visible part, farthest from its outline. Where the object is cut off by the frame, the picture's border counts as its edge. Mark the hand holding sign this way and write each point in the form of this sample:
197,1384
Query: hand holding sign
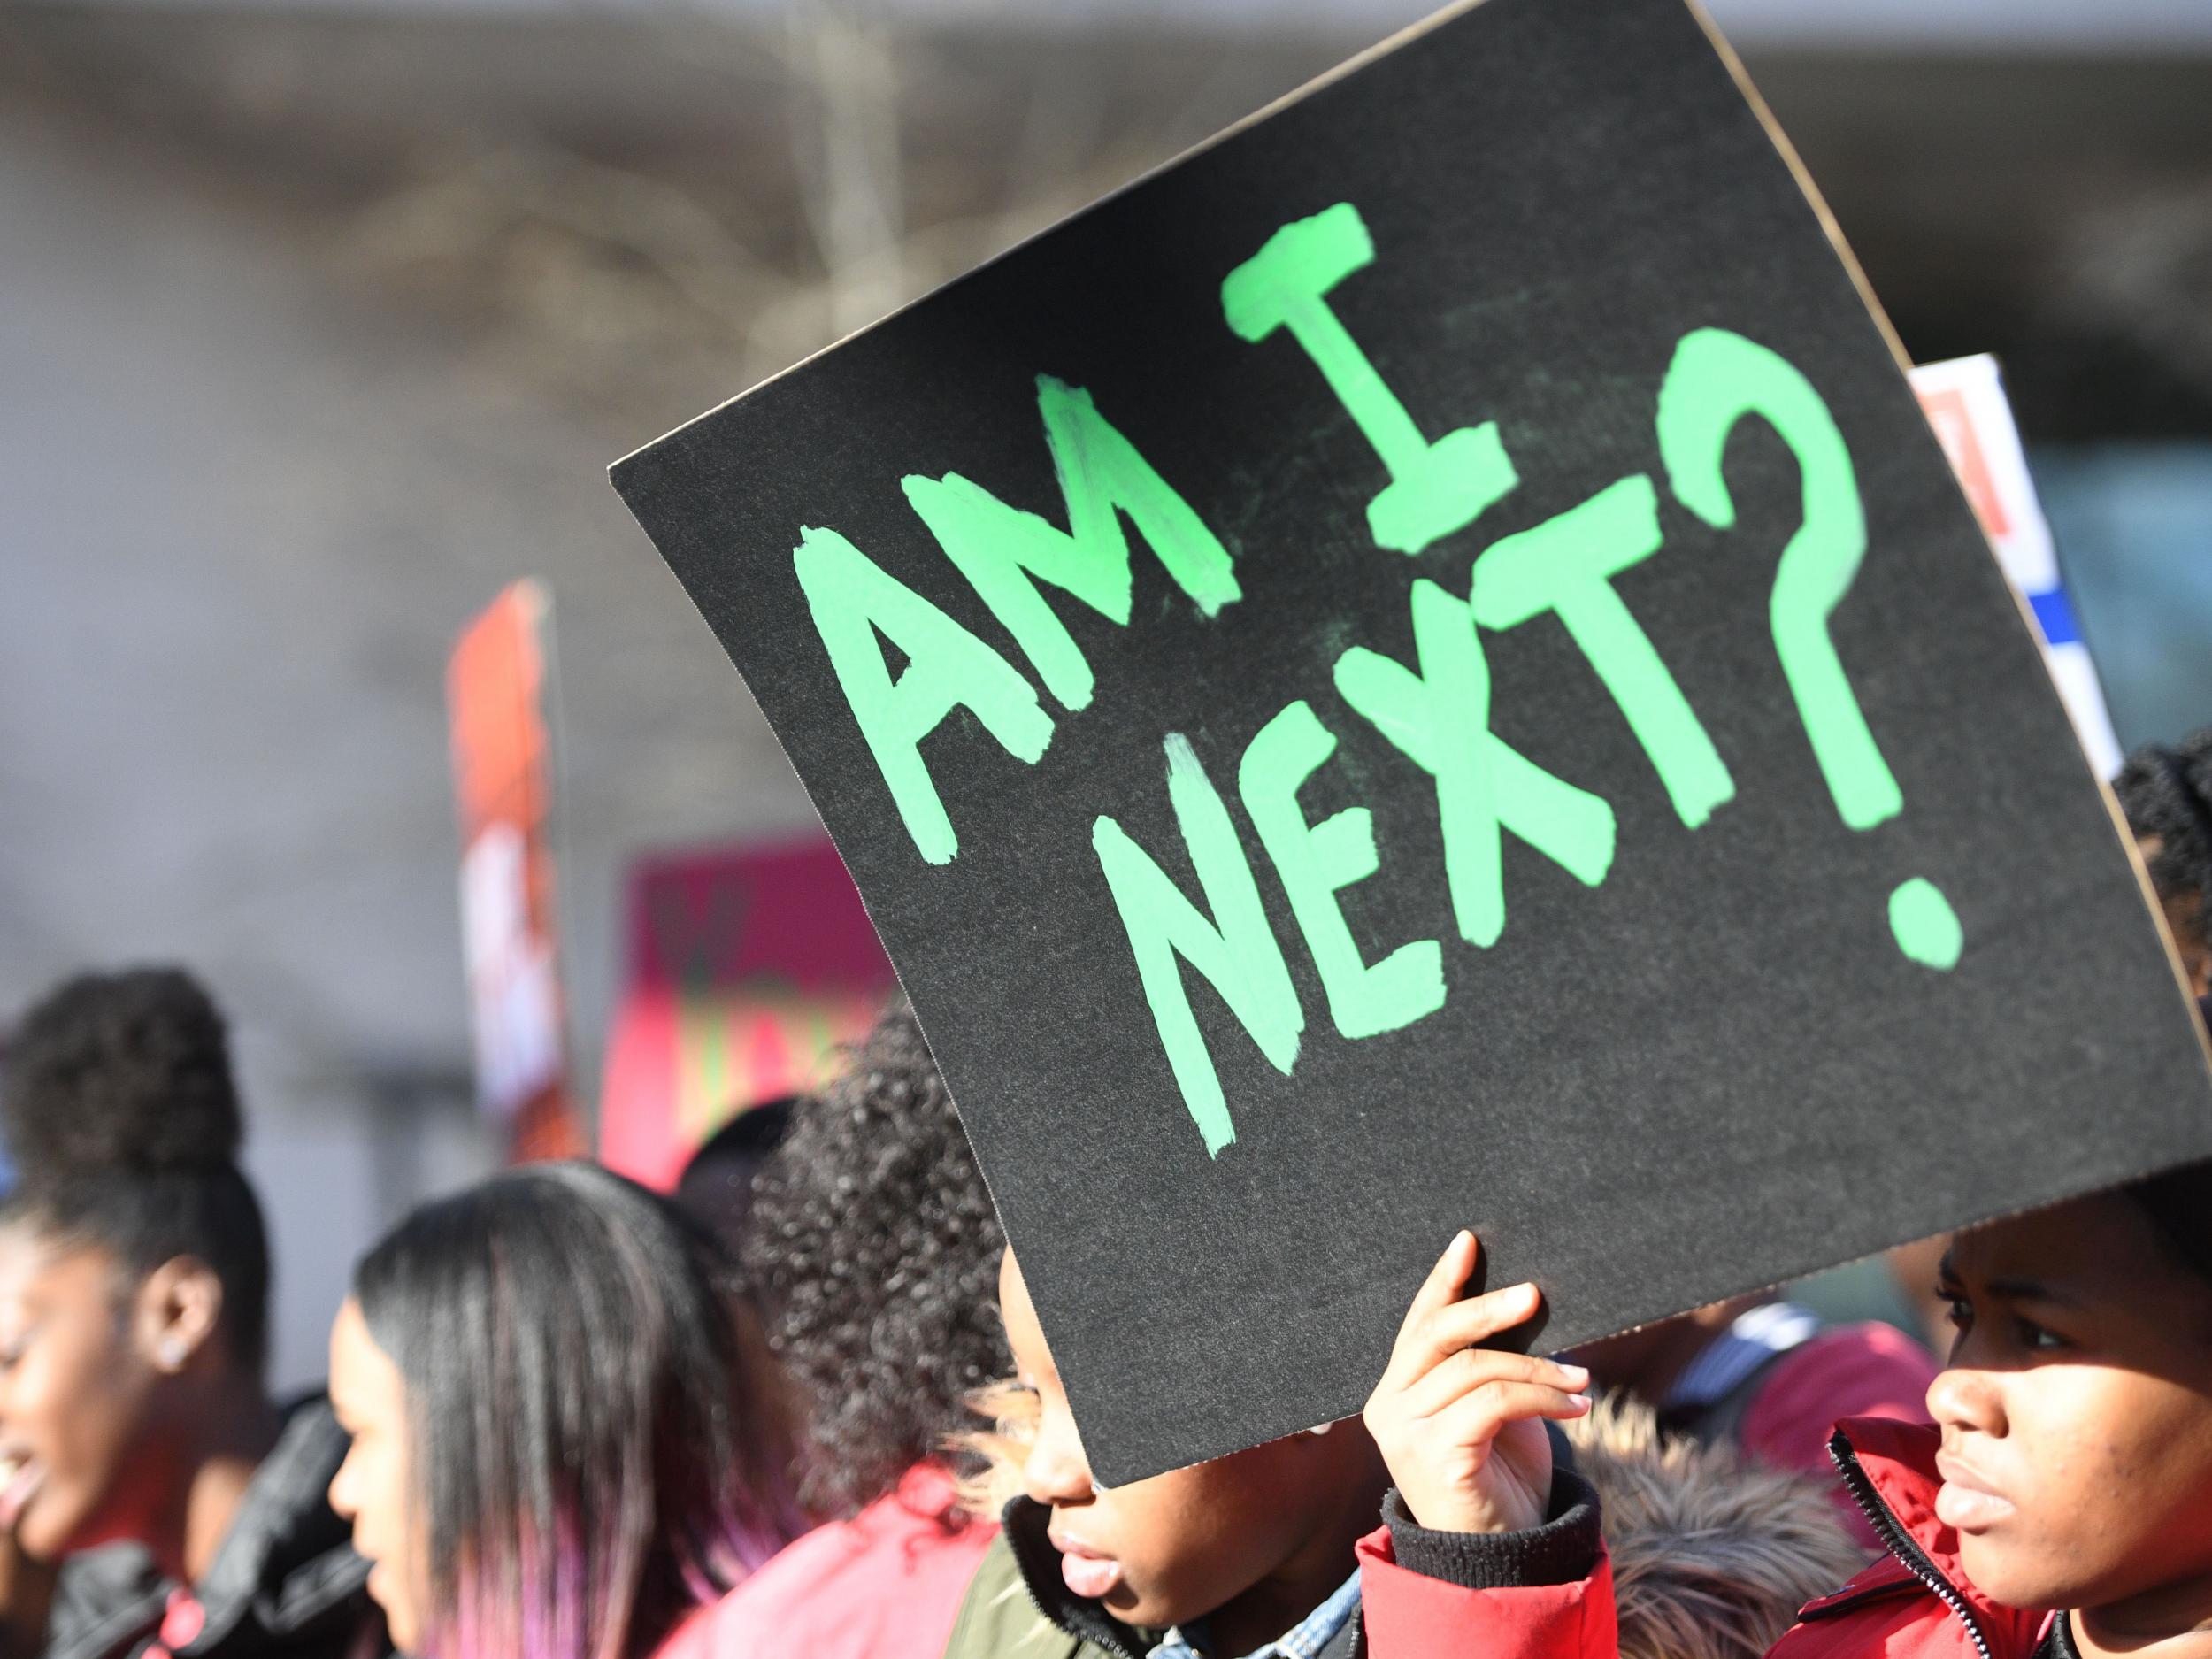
1462,1427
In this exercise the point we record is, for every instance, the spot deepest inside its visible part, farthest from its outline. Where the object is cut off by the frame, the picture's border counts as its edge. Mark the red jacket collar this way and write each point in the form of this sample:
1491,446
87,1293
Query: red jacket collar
1898,1461
1898,1458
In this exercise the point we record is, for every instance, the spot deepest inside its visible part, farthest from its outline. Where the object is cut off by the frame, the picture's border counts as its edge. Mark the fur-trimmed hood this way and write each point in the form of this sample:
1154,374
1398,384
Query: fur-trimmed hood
1712,1554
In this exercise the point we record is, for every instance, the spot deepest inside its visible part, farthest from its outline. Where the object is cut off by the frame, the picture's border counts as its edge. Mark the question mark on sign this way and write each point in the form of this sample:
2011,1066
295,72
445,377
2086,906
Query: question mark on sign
1716,379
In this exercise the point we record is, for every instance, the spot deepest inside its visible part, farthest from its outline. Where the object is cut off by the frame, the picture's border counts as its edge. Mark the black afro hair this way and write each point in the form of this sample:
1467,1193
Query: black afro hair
121,1070
2167,796
123,1119
875,1247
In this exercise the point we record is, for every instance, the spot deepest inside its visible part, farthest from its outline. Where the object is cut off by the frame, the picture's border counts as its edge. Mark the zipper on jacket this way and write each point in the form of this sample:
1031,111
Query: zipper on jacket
1107,1638
1899,1542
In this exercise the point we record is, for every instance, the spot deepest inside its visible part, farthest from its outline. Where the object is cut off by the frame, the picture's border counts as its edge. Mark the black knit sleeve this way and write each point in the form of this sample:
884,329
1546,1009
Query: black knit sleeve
1561,1550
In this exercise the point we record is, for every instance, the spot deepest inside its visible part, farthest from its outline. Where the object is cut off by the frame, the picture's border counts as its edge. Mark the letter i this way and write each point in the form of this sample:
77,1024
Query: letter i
1434,489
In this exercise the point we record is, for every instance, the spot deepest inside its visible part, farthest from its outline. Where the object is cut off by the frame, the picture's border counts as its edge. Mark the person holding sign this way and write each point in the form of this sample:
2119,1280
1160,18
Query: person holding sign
2061,1507
1255,1548
1714,1554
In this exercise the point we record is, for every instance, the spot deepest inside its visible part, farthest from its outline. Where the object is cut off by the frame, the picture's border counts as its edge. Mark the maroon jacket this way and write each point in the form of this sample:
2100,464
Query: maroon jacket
1548,1594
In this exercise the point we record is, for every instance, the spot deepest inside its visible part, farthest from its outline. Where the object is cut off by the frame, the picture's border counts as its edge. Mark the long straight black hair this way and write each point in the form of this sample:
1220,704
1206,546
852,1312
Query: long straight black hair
588,1436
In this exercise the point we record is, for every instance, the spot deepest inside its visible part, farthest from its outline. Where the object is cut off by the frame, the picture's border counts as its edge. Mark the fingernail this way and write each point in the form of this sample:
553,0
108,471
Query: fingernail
1576,1375
1582,1401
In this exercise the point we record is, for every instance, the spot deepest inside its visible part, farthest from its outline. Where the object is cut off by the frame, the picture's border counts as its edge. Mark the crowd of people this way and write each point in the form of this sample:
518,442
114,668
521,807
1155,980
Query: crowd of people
805,1405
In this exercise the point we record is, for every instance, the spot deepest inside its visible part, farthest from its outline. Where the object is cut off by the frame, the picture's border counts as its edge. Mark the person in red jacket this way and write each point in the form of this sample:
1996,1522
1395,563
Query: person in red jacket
872,1244
2059,1507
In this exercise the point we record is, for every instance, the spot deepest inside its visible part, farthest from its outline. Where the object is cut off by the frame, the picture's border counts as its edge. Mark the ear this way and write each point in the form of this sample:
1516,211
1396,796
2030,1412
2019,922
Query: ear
178,1308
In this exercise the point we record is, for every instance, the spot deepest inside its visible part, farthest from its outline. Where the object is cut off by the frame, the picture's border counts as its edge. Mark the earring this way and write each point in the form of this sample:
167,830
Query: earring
170,1354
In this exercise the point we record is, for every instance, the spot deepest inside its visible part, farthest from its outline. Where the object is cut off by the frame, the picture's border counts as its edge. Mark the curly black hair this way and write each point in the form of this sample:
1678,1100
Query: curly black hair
2166,795
875,1246
122,1116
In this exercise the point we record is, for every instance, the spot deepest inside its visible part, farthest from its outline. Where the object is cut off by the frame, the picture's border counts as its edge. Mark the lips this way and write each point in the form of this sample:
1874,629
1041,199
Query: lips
20,1477
1087,1571
1966,1500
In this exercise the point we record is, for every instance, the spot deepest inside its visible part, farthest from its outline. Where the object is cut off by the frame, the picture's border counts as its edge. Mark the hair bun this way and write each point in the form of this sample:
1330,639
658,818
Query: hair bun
123,1071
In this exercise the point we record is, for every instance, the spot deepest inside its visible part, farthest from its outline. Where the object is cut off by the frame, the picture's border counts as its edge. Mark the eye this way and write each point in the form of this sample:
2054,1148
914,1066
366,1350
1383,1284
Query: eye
1957,1310
2036,1339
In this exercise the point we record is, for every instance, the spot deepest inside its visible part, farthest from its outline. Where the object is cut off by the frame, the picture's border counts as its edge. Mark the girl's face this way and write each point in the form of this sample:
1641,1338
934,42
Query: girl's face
2077,1418
77,1451
1251,1541
374,1488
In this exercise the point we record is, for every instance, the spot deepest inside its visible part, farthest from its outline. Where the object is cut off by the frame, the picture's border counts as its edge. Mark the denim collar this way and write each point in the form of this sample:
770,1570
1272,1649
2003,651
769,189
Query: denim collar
1335,1623
1304,1640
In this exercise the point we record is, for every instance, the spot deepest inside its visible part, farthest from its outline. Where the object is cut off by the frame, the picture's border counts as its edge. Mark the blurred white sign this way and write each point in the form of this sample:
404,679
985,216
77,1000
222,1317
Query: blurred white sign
1965,403
515,995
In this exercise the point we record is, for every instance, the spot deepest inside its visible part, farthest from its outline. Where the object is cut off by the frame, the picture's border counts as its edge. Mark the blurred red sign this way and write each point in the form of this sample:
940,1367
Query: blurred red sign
503,772
749,967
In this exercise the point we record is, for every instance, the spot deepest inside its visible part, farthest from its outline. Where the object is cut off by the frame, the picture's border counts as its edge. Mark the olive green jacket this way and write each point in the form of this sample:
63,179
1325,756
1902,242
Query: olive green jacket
1016,1607
999,1619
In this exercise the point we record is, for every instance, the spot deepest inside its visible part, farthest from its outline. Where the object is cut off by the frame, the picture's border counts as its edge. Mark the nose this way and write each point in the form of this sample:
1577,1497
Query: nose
341,1492
1057,1471
1965,1400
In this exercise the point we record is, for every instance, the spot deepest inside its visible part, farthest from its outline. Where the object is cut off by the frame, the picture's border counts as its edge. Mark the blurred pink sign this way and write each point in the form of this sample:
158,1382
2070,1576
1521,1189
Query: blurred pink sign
750,967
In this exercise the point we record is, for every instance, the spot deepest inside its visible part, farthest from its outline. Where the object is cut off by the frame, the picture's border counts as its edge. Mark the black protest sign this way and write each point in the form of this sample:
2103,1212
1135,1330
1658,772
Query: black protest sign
1422,667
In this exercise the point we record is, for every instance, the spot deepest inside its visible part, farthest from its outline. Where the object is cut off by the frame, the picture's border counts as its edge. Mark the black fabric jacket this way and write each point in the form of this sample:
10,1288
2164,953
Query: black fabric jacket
285,1583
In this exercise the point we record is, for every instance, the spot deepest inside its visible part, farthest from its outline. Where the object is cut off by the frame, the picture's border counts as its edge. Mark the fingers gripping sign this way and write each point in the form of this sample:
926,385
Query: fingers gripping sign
1461,1425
